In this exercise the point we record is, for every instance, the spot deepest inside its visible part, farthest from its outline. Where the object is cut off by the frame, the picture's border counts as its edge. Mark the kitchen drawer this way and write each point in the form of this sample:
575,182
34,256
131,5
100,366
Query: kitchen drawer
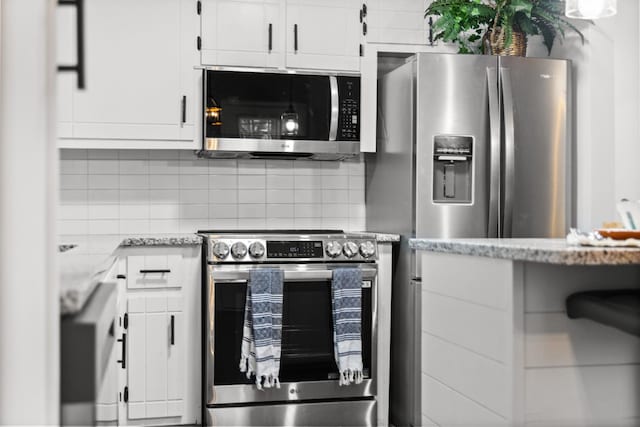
154,271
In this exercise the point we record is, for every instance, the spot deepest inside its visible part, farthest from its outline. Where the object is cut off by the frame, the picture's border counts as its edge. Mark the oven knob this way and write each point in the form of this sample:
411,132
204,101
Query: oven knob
367,249
220,250
238,250
333,249
256,250
350,249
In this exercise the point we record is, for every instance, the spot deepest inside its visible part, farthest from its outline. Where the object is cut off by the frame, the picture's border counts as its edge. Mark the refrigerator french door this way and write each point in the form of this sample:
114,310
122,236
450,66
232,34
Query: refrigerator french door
469,146
492,146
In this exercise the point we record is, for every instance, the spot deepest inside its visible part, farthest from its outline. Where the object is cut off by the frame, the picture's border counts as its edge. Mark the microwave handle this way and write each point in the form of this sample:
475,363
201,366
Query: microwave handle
335,107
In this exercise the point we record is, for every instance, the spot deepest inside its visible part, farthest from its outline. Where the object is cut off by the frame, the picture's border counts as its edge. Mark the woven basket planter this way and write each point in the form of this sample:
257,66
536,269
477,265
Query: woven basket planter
495,45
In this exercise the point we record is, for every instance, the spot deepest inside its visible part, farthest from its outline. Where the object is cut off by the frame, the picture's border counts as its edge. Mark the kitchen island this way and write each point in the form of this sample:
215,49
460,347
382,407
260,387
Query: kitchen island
497,347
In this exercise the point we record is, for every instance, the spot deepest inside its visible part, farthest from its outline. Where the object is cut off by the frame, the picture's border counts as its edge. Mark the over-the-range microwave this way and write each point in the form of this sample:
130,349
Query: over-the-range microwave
264,114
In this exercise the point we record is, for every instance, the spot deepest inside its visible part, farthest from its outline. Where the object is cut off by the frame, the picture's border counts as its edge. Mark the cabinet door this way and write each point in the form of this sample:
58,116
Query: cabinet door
134,53
157,370
323,35
398,21
241,33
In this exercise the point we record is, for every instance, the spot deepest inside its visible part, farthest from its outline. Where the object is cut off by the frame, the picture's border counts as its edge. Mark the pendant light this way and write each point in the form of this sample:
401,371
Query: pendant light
590,9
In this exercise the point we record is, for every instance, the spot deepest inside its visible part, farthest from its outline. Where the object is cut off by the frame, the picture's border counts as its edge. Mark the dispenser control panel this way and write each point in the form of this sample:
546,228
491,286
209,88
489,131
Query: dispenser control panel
452,169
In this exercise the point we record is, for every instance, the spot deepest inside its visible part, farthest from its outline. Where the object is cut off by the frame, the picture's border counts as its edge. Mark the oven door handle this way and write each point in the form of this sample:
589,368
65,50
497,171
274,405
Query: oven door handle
297,275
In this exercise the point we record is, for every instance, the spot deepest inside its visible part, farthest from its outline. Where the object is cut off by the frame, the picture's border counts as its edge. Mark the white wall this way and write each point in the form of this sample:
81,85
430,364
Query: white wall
606,74
29,308
106,192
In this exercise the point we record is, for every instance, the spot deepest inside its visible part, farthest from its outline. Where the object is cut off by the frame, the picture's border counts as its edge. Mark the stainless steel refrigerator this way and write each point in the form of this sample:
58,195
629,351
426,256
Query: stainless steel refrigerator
468,146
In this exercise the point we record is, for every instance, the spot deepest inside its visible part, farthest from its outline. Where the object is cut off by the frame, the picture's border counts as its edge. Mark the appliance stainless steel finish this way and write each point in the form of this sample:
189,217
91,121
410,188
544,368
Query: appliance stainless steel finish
468,146
264,114
309,393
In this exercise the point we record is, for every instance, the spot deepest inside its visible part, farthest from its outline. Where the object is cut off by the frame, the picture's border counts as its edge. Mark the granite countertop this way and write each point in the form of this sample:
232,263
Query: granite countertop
551,251
85,261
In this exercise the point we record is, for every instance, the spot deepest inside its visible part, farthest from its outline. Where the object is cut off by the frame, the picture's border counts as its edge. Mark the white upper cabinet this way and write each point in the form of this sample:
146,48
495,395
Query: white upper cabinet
300,34
397,21
140,81
323,34
241,33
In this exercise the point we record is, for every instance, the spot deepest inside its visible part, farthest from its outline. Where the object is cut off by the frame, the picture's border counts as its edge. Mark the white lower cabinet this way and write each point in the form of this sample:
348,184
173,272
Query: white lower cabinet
161,318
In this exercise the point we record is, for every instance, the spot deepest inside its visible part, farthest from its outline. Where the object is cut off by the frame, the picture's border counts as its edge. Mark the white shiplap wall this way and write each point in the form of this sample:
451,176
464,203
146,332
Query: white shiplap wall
110,192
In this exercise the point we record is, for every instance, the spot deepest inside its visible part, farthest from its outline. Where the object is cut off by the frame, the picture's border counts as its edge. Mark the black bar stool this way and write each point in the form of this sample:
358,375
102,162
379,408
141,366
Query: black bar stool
616,308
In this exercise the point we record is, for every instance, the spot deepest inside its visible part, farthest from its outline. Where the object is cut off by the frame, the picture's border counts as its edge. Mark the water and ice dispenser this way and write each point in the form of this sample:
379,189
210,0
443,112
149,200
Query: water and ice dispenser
452,169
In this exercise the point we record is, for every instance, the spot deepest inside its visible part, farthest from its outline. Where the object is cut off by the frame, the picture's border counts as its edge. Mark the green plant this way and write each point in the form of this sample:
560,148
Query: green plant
465,22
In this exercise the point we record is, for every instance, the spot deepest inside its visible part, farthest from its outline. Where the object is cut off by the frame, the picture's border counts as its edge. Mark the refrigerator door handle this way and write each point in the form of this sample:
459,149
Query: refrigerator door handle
494,152
509,152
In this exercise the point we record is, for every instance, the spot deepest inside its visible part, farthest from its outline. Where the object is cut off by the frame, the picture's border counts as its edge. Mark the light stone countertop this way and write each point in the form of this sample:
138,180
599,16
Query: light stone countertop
551,251
85,260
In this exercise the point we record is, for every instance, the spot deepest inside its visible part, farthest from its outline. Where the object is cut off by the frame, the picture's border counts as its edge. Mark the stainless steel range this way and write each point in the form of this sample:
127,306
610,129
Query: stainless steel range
309,393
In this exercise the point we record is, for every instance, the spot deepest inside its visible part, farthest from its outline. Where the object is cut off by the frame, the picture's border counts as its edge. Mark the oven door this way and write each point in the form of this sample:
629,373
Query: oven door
307,366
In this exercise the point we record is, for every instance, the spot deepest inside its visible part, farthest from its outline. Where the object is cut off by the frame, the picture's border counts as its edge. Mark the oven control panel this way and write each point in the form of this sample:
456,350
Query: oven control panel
343,248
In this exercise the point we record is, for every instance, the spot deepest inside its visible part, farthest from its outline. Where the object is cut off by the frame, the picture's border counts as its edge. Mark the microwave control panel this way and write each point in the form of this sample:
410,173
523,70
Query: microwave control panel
349,113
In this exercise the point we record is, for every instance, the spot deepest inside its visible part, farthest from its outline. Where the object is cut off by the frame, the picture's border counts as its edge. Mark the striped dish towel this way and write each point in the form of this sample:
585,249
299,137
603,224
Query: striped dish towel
262,330
346,295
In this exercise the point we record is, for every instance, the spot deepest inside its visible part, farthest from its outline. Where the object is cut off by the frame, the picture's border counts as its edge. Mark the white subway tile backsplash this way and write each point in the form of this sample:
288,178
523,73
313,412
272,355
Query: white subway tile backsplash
168,211
134,197
134,211
73,182
280,196
251,181
253,210
134,167
280,167
164,197
194,167
223,181
104,226
280,182
104,167
73,167
164,167
134,226
104,197
335,182
252,196
308,210
280,211
164,181
223,167
73,212
193,197
194,211
104,211
168,191
101,154
251,167
73,197
221,211
134,182
103,182
335,196
307,182
307,196
194,181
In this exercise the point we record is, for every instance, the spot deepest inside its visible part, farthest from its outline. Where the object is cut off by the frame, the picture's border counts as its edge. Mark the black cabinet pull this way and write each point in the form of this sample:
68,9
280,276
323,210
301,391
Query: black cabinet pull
270,37
430,31
123,360
155,271
295,37
184,109
79,67
173,329
364,28
363,12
